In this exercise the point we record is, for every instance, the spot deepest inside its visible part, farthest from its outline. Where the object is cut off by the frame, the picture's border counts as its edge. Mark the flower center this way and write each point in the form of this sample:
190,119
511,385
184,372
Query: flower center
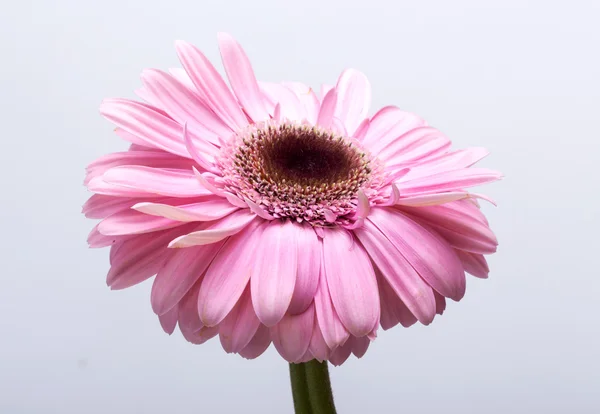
296,171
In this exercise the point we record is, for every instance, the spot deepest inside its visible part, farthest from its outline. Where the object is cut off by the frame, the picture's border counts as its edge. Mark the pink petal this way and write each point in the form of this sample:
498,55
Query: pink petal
202,160
209,210
402,277
416,144
258,344
440,303
99,186
458,227
150,126
354,98
168,321
184,106
179,274
188,318
140,257
356,303
200,336
474,264
133,222
211,86
309,263
225,227
318,347
327,110
387,125
333,331
239,327
447,161
448,181
155,181
241,77
341,354
428,254
228,275
152,158
291,336
393,310
99,206
274,270
359,346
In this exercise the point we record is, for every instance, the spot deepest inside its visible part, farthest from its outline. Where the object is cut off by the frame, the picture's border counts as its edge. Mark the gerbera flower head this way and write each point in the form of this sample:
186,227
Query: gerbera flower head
273,214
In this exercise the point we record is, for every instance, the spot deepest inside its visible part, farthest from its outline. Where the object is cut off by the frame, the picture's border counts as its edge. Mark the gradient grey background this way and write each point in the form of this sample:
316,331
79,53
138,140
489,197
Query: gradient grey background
518,77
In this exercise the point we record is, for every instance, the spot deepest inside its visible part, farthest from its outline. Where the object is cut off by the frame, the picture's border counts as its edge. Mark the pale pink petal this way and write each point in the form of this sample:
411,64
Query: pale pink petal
182,77
474,264
402,277
225,227
274,268
179,274
458,227
334,332
356,303
354,99
228,275
428,254
309,263
208,210
291,336
341,354
155,181
290,106
211,86
448,181
308,356
325,88
241,77
133,222
308,98
431,199
362,129
184,106
318,347
240,325
168,321
327,110
258,345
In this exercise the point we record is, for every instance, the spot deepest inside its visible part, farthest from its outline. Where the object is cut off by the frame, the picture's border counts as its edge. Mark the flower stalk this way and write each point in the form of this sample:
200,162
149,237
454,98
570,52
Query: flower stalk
311,388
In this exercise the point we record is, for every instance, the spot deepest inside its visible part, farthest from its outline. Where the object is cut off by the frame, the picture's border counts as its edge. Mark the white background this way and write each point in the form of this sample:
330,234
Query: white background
518,77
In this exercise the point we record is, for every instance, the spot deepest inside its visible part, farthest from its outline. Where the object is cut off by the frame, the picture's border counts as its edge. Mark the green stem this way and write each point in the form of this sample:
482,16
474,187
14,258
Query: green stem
311,388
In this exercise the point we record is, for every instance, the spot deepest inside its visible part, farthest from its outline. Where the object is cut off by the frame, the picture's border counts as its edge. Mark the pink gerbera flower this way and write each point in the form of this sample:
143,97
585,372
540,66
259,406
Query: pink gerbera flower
269,213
